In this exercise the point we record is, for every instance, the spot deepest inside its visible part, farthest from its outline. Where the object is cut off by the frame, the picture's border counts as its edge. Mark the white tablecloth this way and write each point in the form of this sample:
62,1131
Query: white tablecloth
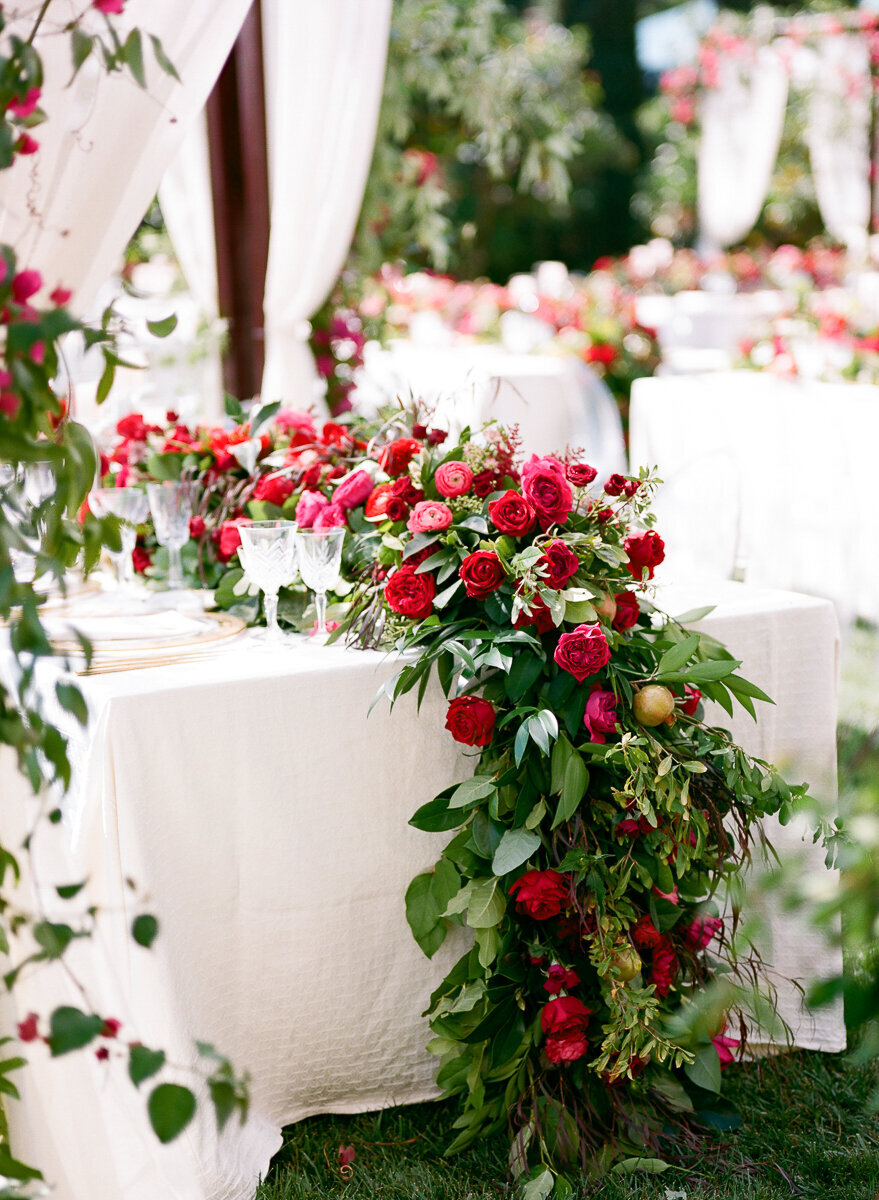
707,326
265,818
557,402
767,478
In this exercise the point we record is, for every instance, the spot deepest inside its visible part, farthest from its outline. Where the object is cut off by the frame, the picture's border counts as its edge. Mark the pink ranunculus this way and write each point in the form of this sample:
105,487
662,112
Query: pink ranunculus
353,490
26,284
601,714
547,490
453,479
700,931
429,515
310,504
331,516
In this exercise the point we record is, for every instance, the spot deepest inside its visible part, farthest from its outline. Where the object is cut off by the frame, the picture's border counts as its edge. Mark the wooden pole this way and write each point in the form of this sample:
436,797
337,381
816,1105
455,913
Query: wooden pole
237,142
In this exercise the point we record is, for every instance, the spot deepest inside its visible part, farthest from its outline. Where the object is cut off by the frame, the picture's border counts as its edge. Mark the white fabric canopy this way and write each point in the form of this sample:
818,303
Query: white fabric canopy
324,66
70,209
742,119
838,134
187,206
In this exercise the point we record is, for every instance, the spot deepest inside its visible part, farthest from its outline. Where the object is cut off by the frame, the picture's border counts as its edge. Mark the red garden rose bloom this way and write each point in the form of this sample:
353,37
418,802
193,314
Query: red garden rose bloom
396,509
541,894
511,513
665,966
482,572
583,652
644,550
230,538
274,489
546,490
628,611
196,526
604,354
645,935
559,978
409,594
470,720
141,559
453,479
560,562
133,426
539,616
615,485
406,490
396,456
601,714
27,1029
690,703
700,931
564,1022
377,502
580,474
486,482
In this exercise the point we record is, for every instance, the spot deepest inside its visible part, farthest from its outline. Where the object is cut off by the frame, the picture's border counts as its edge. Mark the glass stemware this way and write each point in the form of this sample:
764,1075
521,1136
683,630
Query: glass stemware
268,555
171,507
130,507
320,556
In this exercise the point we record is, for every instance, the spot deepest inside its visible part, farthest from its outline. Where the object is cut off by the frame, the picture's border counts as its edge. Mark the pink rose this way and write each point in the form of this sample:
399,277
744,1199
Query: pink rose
582,652
353,490
310,504
453,479
547,490
331,516
700,931
601,714
559,978
429,515
725,1046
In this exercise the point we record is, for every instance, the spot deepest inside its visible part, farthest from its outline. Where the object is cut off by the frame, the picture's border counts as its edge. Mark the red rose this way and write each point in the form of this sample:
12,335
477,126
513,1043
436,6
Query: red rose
644,550
583,652
664,967
196,527
601,714
690,703
409,594
27,1029
406,490
560,563
645,935
511,513
485,483
538,616
274,489
615,485
542,894
580,474
396,509
482,572
628,611
631,487
377,502
396,456
230,538
601,354
470,720
133,426
559,978
547,491
564,1022
141,559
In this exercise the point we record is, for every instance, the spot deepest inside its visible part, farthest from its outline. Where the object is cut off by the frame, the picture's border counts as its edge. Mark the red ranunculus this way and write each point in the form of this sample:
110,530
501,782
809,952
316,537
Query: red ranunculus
470,720
628,611
396,456
583,651
559,978
542,894
511,513
560,563
601,714
482,572
274,489
409,594
644,550
580,474
547,490
564,1022
453,479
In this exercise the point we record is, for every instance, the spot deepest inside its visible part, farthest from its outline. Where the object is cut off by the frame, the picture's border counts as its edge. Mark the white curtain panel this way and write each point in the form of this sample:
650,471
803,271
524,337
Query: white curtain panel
325,66
742,120
838,134
188,208
70,209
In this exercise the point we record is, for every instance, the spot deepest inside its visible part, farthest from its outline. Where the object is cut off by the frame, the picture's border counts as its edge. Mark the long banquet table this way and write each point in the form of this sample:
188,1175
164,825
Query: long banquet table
263,818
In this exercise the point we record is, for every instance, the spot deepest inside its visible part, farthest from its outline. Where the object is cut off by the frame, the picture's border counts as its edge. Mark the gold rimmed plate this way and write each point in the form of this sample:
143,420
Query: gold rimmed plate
154,633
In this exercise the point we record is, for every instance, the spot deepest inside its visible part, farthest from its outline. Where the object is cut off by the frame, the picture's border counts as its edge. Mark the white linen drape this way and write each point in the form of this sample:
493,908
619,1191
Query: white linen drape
187,206
324,66
838,134
742,120
70,209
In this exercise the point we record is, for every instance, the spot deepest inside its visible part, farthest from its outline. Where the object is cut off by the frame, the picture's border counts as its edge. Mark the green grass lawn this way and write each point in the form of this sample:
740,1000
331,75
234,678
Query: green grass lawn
807,1130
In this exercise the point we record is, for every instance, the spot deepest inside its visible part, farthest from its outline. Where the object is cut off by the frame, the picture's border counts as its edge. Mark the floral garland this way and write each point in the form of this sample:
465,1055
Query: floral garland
592,850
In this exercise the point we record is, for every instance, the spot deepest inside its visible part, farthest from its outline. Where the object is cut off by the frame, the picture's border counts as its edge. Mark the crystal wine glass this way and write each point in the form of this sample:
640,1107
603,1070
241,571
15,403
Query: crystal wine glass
171,507
268,555
320,556
130,507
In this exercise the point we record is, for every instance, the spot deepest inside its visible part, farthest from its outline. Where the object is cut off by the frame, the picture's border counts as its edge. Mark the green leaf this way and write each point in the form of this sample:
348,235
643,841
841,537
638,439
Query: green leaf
573,789
579,612
70,1029
744,687
540,1184
695,614
718,669
515,848
144,929
132,53
232,407
223,1098
13,1169
164,327
53,938
471,791
675,658
628,1166
436,816
264,415
81,46
561,753
71,700
106,380
171,1108
68,890
162,58
704,1071
144,1063
523,674
487,904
